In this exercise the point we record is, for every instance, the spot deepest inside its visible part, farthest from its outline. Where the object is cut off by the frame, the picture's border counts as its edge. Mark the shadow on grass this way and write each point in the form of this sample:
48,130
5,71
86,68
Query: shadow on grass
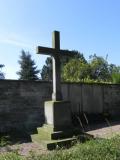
14,137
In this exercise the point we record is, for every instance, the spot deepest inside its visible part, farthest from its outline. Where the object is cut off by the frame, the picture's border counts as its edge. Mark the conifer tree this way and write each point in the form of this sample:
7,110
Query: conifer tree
2,76
28,68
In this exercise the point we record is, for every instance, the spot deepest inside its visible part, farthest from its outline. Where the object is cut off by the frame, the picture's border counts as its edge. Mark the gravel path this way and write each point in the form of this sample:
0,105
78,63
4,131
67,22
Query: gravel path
26,148
106,132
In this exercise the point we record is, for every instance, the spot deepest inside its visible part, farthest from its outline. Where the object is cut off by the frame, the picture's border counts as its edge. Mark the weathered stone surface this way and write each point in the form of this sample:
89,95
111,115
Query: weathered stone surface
58,114
51,140
22,102
56,54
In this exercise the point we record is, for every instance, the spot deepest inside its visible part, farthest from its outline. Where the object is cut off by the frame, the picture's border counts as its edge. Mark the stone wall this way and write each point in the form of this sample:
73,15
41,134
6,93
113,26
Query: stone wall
21,102
93,98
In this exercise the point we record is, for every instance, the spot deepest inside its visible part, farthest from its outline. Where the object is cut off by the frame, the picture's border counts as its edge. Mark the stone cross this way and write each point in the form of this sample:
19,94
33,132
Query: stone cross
56,53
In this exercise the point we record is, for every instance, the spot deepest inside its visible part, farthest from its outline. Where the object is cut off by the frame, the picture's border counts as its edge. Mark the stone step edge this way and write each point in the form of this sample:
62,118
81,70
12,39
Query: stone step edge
62,143
64,134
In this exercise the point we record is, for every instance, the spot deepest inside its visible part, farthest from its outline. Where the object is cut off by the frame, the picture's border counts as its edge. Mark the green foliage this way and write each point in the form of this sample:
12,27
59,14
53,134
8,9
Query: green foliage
105,149
11,156
46,72
96,71
99,149
115,69
116,78
100,68
2,75
4,140
28,69
76,71
115,74
76,55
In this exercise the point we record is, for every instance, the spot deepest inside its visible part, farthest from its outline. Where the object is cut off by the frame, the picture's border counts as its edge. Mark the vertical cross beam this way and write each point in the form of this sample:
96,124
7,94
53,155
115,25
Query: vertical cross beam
56,95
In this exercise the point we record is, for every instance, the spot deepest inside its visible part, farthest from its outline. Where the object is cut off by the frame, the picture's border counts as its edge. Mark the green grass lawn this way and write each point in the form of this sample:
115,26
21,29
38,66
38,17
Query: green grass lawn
99,149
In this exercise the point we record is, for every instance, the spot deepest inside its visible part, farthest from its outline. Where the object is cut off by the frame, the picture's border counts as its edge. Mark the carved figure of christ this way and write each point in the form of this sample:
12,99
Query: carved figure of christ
56,54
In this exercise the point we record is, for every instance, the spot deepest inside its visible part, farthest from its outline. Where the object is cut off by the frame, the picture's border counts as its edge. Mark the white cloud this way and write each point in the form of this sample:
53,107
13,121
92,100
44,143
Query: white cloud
14,39
15,42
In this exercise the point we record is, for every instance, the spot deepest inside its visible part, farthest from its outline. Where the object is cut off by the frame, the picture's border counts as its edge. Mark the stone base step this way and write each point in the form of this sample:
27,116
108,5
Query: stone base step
66,142
48,132
51,139
65,134
53,144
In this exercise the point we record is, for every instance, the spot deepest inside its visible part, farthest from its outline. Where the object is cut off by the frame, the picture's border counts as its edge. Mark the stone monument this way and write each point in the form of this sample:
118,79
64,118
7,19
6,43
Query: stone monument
57,111
58,119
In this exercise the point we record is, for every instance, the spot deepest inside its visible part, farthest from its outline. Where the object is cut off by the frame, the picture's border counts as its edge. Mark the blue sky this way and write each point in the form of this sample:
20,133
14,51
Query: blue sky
89,26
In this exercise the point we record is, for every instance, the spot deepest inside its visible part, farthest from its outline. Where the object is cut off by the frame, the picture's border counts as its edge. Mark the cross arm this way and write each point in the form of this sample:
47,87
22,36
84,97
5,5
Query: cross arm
53,52
46,50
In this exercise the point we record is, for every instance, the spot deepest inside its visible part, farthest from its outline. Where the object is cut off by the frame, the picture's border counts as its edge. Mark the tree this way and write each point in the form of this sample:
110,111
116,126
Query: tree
76,70
76,55
46,72
97,70
2,76
28,69
116,77
115,74
100,68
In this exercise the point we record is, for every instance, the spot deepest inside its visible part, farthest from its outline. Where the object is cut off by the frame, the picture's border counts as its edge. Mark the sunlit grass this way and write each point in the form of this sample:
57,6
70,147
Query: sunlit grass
99,149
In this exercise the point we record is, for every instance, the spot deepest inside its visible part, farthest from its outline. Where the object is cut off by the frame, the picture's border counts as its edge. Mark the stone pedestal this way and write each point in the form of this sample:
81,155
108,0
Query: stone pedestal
58,114
58,130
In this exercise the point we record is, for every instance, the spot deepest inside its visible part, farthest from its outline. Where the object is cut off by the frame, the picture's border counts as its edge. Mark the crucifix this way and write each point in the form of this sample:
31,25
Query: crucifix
56,53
